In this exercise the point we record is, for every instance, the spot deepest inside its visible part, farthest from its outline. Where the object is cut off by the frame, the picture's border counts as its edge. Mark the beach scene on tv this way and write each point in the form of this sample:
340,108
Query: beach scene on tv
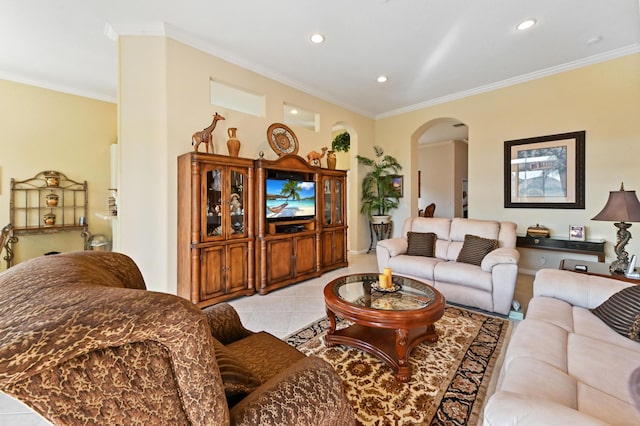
290,198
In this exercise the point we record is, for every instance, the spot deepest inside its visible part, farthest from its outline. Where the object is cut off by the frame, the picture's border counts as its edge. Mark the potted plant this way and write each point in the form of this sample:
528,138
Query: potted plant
341,143
378,194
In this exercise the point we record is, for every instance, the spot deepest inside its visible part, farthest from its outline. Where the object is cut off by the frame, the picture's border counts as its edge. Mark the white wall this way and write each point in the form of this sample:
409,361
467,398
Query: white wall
442,167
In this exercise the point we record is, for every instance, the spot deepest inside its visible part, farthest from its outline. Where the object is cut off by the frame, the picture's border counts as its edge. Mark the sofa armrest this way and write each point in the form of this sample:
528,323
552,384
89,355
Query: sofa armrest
225,323
501,255
578,289
394,246
309,392
386,249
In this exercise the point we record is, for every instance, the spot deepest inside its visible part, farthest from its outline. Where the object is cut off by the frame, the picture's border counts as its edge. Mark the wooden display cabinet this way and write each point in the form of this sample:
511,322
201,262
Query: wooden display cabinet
332,219
293,250
215,228
287,248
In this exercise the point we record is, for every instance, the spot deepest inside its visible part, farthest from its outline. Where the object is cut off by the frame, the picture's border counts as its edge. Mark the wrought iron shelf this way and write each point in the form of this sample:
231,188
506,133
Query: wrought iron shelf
47,203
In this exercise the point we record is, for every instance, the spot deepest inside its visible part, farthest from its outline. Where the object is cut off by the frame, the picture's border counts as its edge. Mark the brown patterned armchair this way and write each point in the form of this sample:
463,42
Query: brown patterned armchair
83,342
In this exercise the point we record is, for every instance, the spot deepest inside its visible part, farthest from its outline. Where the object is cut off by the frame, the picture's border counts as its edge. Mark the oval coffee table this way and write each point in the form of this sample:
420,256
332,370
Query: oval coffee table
388,325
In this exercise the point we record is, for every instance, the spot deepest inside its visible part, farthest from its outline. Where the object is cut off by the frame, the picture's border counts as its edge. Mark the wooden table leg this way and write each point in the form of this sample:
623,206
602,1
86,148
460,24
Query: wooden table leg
332,327
404,369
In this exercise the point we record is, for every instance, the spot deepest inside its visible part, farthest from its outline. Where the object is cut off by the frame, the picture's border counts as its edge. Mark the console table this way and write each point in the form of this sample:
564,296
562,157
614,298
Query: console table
593,268
595,247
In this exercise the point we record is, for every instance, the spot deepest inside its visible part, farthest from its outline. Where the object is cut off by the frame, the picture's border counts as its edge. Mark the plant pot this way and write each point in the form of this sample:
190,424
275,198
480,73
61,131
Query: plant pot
380,219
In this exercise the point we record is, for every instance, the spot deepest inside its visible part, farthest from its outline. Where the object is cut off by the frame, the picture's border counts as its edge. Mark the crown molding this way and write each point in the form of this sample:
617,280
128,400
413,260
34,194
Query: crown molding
591,60
57,87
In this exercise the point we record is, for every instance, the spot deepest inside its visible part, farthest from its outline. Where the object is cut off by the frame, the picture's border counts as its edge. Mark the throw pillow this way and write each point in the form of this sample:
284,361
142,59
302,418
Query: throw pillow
237,379
475,248
421,244
634,331
621,312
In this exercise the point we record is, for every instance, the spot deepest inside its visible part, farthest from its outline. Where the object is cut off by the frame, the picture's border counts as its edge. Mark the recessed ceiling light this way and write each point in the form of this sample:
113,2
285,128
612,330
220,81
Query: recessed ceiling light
317,38
526,24
294,111
382,79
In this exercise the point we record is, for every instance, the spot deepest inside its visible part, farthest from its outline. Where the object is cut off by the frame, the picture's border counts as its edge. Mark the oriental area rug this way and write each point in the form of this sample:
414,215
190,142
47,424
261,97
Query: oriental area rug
450,381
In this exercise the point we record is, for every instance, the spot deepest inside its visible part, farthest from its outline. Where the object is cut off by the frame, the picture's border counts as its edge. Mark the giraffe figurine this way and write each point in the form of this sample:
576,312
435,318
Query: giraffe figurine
206,135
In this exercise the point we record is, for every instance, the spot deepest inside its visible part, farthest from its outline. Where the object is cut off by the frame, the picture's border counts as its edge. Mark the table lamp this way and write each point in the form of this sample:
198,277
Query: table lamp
622,207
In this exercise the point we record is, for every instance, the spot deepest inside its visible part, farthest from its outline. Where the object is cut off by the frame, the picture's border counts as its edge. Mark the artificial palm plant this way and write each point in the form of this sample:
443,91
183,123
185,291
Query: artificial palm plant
379,196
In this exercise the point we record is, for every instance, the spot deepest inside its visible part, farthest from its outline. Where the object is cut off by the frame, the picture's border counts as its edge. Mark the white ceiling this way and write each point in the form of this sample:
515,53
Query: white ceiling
431,50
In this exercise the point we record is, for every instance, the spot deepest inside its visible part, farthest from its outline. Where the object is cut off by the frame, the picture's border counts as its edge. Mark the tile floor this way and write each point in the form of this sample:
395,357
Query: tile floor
280,312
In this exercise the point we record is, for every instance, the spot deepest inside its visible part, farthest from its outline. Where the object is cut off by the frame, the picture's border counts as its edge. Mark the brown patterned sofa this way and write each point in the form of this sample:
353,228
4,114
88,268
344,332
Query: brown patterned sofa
83,342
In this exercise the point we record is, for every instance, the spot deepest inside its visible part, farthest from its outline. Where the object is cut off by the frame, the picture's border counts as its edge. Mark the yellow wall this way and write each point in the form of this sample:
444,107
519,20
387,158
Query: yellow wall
602,99
164,99
47,130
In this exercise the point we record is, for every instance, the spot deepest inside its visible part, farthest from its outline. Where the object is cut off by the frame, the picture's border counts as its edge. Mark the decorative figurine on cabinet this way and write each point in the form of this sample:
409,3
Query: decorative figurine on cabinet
206,135
314,157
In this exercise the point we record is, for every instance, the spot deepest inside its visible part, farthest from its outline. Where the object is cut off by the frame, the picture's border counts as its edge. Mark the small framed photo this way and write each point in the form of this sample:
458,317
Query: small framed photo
577,233
397,182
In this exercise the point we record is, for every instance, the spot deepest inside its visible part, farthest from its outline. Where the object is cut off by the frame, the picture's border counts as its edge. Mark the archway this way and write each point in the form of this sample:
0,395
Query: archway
441,166
347,161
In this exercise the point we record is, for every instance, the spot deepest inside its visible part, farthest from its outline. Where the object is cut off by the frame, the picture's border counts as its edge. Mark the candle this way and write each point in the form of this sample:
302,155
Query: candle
387,272
383,281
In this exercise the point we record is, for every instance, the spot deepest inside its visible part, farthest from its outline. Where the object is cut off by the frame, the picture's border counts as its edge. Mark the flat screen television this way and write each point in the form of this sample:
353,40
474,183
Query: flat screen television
288,199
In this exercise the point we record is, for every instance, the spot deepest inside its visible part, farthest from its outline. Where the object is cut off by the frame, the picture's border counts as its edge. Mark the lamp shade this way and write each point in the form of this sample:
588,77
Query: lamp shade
622,206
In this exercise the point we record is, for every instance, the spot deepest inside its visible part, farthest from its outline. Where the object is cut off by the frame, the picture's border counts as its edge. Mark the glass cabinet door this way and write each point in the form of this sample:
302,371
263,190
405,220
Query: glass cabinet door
238,198
213,199
338,187
326,203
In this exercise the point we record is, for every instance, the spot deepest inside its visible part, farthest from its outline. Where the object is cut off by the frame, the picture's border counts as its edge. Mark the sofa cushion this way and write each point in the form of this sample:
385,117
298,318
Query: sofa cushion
601,365
475,249
237,379
421,243
417,266
620,310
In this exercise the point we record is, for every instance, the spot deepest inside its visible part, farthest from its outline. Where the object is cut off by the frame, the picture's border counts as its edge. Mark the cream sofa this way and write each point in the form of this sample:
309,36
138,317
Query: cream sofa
489,286
563,365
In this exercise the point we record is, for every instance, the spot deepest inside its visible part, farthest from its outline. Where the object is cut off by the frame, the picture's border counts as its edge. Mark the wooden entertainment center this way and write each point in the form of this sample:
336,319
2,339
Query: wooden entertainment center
230,244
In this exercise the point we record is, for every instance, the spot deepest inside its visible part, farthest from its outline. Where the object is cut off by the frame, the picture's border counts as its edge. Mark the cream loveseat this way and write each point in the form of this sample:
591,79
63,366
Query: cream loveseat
564,365
489,285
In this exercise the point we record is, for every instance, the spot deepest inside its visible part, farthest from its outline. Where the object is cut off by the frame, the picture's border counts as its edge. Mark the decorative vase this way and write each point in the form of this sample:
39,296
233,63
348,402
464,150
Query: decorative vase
51,199
49,219
331,160
52,178
233,144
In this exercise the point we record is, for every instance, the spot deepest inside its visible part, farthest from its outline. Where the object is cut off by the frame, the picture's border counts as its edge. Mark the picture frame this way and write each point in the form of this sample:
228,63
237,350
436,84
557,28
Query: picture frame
577,233
545,172
397,182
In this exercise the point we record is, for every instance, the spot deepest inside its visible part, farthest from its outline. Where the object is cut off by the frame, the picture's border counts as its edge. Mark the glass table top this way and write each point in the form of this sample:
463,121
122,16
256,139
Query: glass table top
362,290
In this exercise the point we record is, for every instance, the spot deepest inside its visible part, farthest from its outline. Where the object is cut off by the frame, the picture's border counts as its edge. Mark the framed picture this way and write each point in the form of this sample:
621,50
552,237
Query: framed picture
545,172
577,233
397,182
